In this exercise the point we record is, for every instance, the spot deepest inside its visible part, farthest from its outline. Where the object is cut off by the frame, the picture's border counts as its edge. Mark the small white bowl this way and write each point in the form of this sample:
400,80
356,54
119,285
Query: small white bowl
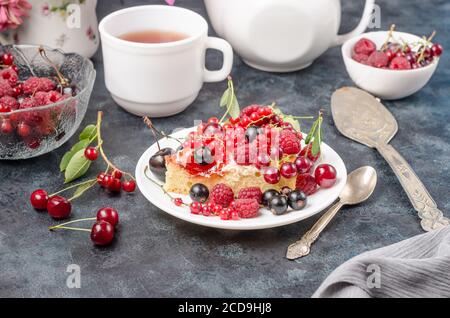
385,83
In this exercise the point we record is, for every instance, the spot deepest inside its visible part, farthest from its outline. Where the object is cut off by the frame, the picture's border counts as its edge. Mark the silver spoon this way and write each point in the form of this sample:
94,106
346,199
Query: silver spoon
361,117
359,187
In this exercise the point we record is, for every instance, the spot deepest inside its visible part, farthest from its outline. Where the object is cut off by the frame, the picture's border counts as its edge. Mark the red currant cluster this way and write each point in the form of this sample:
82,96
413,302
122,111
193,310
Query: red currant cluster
396,56
29,126
103,230
113,182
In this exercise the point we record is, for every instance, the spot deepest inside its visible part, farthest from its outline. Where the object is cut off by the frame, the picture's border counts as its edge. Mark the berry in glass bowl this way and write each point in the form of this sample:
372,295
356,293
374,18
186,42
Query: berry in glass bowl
44,94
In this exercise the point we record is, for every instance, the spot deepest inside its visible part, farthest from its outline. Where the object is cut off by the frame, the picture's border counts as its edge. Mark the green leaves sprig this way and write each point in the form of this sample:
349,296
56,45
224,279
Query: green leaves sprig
74,164
315,135
229,100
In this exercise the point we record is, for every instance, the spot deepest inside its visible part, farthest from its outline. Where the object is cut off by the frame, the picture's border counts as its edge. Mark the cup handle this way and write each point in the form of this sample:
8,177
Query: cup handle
226,49
365,20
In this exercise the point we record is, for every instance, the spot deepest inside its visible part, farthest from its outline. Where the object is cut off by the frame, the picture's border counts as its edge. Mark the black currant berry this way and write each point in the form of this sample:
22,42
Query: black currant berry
279,205
297,200
199,193
267,197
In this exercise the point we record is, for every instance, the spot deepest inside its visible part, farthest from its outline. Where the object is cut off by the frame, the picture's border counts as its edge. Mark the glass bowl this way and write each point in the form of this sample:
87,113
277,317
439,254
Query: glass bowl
31,132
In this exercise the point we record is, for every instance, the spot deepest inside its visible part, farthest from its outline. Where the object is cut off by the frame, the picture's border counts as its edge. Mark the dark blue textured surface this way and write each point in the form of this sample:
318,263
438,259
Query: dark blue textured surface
157,255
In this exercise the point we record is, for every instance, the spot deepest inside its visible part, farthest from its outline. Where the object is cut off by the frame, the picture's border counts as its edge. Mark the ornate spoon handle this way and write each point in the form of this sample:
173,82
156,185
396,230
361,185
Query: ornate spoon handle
303,247
432,217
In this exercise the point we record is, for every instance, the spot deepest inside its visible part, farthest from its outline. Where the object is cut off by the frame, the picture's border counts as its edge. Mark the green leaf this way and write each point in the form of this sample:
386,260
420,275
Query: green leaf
77,167
82,144
83,188
234,110
311,132
317,138
224,101
88,132
294,122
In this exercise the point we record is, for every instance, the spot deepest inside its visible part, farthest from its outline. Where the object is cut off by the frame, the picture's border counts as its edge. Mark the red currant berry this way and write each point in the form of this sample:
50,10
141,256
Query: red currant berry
15,68
234,121
59,207
206,210
117,174
213,120
100,178
217,209
234,215
390,55
23,130
17,91
437,50
91,153
8,59
4,108
33,143
107,179
224,215
178,201
109,215
102,233
245,122
115,185
228,126
325,175
288,170
196,207
6,126
303,164
272,175
39,199
129,186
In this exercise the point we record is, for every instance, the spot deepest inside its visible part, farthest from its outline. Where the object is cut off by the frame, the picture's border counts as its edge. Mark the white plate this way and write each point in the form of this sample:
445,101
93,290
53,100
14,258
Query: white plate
316,203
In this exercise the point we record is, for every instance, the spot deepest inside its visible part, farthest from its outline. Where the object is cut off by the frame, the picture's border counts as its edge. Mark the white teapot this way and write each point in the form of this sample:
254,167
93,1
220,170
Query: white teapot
281,35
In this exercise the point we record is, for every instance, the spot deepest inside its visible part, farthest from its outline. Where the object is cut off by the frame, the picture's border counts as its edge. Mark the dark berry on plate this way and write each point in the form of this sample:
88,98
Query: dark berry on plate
326,176
102,233
59,207
39,199
199,193
297,200
364,46
203,156
279,205
157,163
109,215
268,196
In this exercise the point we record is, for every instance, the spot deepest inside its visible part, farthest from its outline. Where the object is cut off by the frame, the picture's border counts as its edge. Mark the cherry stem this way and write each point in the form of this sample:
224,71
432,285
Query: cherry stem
62,80
391,31
70,228
71,187
149,124
102,152
71,222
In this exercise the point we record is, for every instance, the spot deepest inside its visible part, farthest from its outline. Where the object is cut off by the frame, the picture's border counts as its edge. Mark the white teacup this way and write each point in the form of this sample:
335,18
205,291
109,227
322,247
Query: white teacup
159,79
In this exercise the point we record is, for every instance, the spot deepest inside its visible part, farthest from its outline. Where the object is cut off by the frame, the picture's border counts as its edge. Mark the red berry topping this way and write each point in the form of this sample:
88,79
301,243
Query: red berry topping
326,176
224,215
4,108
109,215
10,102
102,233
290,142
272,175
222,194
288,170
178,201
247,208
213,120
91,153
5,88
234,215
378,59
400,63
10,75
196,208
247,111
263,160
38,84
39,199
59,207
8,59
364,46
251,193
303,164
306,183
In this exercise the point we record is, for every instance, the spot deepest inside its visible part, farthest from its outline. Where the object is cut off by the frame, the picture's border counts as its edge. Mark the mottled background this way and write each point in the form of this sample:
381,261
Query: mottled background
158,255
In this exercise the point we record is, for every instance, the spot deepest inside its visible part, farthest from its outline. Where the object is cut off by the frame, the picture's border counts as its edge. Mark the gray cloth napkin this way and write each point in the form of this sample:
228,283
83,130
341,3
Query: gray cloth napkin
417,267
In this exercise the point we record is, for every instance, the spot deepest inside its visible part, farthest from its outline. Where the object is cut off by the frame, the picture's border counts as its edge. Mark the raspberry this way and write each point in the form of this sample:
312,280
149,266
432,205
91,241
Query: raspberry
222,194
306,183
251,193
38,84
5,88
289,142
29,102
361,58
10,102
247,208
378,59
364,46
46,98
400,63
250,109
10,75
